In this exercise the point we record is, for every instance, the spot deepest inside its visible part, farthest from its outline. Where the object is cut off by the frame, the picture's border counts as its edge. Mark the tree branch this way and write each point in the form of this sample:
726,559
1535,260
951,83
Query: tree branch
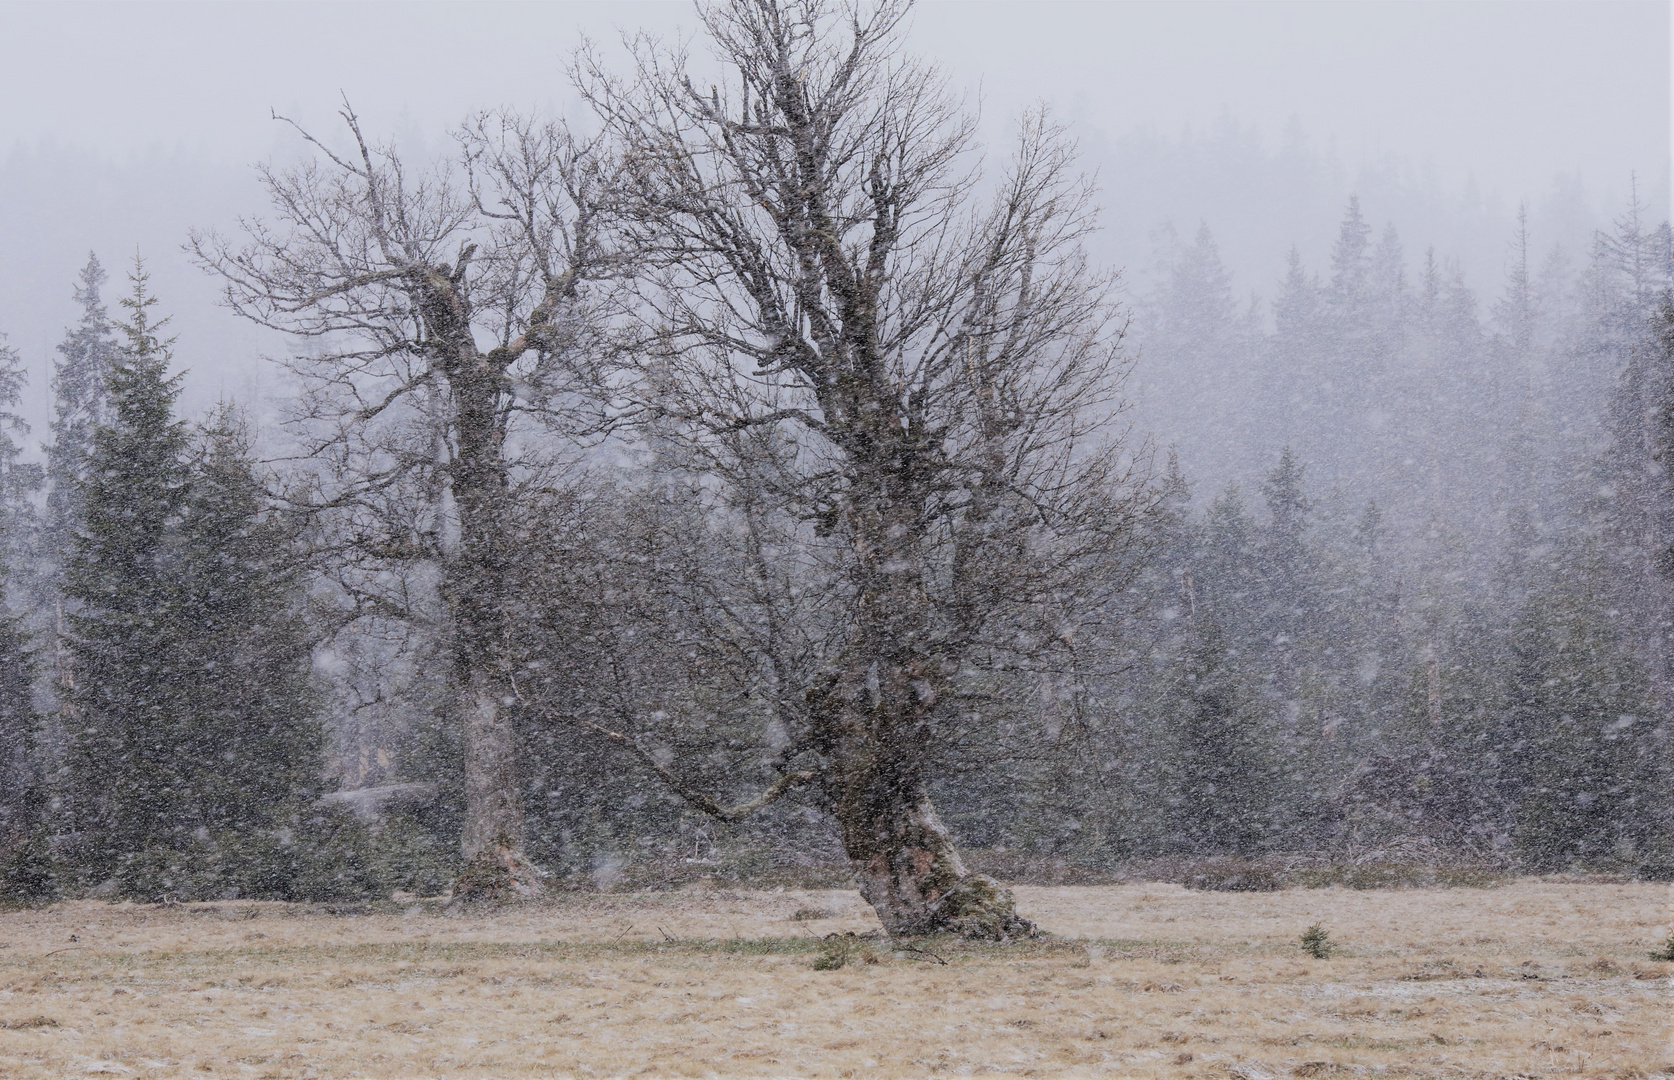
780,787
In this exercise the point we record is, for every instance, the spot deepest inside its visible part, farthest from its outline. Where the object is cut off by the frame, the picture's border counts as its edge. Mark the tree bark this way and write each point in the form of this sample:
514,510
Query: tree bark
492,838
875,724
908,869
924,375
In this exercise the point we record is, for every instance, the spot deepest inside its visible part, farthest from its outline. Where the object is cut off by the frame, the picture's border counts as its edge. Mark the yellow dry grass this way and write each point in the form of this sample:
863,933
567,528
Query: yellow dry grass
1529,979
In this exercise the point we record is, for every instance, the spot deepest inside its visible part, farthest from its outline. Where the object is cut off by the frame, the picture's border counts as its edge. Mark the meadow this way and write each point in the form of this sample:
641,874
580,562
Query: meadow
1530,978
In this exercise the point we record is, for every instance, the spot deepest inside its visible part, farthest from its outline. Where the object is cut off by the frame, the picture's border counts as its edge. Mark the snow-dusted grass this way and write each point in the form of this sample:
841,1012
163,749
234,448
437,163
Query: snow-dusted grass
1533,978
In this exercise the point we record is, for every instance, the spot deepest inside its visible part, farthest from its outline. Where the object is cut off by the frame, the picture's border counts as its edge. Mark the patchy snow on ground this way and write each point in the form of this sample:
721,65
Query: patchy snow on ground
1532,978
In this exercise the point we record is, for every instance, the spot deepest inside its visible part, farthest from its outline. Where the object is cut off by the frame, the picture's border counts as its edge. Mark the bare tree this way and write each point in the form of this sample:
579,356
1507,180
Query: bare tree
417,439
900,397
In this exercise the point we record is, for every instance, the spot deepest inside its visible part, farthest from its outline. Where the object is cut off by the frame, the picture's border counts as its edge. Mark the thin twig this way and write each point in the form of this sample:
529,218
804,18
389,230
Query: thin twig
922,952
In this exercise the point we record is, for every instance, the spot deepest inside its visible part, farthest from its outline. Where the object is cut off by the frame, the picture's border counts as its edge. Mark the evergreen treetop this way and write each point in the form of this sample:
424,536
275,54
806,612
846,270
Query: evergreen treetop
85,359
136,476
18,479
1351,257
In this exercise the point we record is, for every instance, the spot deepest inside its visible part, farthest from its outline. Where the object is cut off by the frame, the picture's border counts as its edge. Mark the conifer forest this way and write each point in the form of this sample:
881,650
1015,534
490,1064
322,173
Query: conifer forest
753,468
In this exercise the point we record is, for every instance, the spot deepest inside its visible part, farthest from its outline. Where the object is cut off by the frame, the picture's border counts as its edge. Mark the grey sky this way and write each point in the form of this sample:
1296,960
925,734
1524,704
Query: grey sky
1512,92
124,124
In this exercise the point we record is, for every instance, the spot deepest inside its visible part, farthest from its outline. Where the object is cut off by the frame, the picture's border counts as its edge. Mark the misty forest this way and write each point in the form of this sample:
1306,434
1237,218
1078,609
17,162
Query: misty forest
758,475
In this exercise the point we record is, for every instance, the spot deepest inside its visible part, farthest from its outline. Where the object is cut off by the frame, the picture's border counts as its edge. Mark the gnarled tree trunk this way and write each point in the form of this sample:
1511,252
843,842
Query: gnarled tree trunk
876,726
907,868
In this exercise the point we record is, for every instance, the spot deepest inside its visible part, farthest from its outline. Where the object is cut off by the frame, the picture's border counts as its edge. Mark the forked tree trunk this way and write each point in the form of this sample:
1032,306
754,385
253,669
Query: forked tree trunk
533,195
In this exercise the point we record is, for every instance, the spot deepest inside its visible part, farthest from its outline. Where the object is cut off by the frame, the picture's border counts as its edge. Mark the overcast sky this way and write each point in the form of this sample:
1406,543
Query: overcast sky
175,99
1511,92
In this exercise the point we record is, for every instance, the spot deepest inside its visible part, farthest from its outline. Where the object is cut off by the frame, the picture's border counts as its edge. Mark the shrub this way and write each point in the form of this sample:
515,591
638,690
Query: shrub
1316,942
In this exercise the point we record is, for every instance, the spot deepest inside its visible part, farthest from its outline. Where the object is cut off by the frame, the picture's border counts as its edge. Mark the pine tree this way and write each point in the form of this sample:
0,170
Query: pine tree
1660,468
1641,257
1388,276
1225,789
1198,376
1227,541
124,792
1296,311
1197,305
19,750
26,867
1286,504
1287,570
192,725
1583,773
1629,329
19,480
85,359
1514,312
19,788
1351,261
254,751
1387,310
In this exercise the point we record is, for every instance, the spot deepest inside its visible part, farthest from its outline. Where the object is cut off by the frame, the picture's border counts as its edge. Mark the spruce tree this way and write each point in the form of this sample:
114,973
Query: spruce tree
124,725
1198,376
192,724
1287,609
85,358
1583,768
19,750
26,866
1351,258
18,771
254,752
19,480
1514,312
1225,790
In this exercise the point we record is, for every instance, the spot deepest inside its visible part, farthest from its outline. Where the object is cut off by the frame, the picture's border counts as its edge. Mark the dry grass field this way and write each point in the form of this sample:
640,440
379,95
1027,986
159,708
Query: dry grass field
1528,979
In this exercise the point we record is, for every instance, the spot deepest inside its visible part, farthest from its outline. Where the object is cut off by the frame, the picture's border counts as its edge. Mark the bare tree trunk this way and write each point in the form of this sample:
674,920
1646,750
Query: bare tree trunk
903,858
492,838
908,869
399,371
877,722
493,835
